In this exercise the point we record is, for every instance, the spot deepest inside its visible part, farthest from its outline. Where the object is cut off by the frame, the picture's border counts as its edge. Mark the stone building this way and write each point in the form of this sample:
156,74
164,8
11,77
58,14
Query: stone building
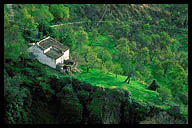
49,51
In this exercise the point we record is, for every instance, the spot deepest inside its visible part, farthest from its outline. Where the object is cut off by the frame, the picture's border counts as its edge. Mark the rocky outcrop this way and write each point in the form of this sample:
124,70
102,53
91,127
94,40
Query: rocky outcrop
70,111
162,118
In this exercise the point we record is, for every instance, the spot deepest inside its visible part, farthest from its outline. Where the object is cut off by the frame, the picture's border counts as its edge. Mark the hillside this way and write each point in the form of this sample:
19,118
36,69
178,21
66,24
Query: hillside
53,98
120,49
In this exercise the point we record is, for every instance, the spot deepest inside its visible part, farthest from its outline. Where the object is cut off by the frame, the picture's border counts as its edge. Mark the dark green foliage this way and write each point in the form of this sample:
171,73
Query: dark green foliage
59,11
40,113
70,111
83,96
66,36
16,99
43,14
14,44
46,30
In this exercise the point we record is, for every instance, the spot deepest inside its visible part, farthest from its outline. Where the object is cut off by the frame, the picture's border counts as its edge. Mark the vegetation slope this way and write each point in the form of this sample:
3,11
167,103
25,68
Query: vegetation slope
118,47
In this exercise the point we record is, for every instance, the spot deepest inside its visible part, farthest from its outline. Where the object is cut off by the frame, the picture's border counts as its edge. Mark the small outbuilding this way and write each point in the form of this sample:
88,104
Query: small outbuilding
49,51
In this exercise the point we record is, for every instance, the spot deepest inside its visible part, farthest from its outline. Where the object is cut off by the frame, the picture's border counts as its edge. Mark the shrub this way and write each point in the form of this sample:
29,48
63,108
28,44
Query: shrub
164,93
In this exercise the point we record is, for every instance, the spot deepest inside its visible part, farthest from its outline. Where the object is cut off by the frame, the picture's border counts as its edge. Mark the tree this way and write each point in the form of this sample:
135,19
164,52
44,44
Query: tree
126,30
147,28
154,46
81,38
182,57
106,43
165,65
66,36
166,59
93,35
93,61
59,11
122,48
126,59
165,40
14,44
46,30
122,42
144,39
117,69
143,55
164,93
149,19
43,14
133,46
178,79
26,23
179,15
27,20
105,57
90,58
106,27
31,8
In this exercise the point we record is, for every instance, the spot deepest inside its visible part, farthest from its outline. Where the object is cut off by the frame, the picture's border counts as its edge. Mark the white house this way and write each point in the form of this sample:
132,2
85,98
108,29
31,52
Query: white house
49,51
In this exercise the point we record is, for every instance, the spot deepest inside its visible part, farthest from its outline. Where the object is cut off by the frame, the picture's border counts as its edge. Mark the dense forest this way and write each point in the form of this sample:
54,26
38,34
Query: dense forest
133,62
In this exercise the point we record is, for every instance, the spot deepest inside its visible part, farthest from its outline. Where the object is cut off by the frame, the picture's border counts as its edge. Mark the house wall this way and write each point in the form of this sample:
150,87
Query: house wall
60,59
41,57
65,56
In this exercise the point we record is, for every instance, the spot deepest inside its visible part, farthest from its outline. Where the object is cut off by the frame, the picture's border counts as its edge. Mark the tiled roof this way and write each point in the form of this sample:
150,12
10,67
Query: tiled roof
56,47
53,54
48,42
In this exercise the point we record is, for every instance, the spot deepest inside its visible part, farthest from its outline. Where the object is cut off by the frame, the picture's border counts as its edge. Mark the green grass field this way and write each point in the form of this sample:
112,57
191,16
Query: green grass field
138,91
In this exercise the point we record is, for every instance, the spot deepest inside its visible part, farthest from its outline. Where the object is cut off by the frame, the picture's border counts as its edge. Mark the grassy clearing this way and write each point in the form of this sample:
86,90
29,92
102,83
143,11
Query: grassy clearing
138,91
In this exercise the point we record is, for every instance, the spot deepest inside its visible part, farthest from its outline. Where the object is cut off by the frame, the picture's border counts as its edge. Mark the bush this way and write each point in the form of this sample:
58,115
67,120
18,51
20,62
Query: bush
164,93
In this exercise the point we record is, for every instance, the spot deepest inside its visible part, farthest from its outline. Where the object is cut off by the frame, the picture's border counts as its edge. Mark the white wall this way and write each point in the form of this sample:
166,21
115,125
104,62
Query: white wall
60,59
41,57
66,55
